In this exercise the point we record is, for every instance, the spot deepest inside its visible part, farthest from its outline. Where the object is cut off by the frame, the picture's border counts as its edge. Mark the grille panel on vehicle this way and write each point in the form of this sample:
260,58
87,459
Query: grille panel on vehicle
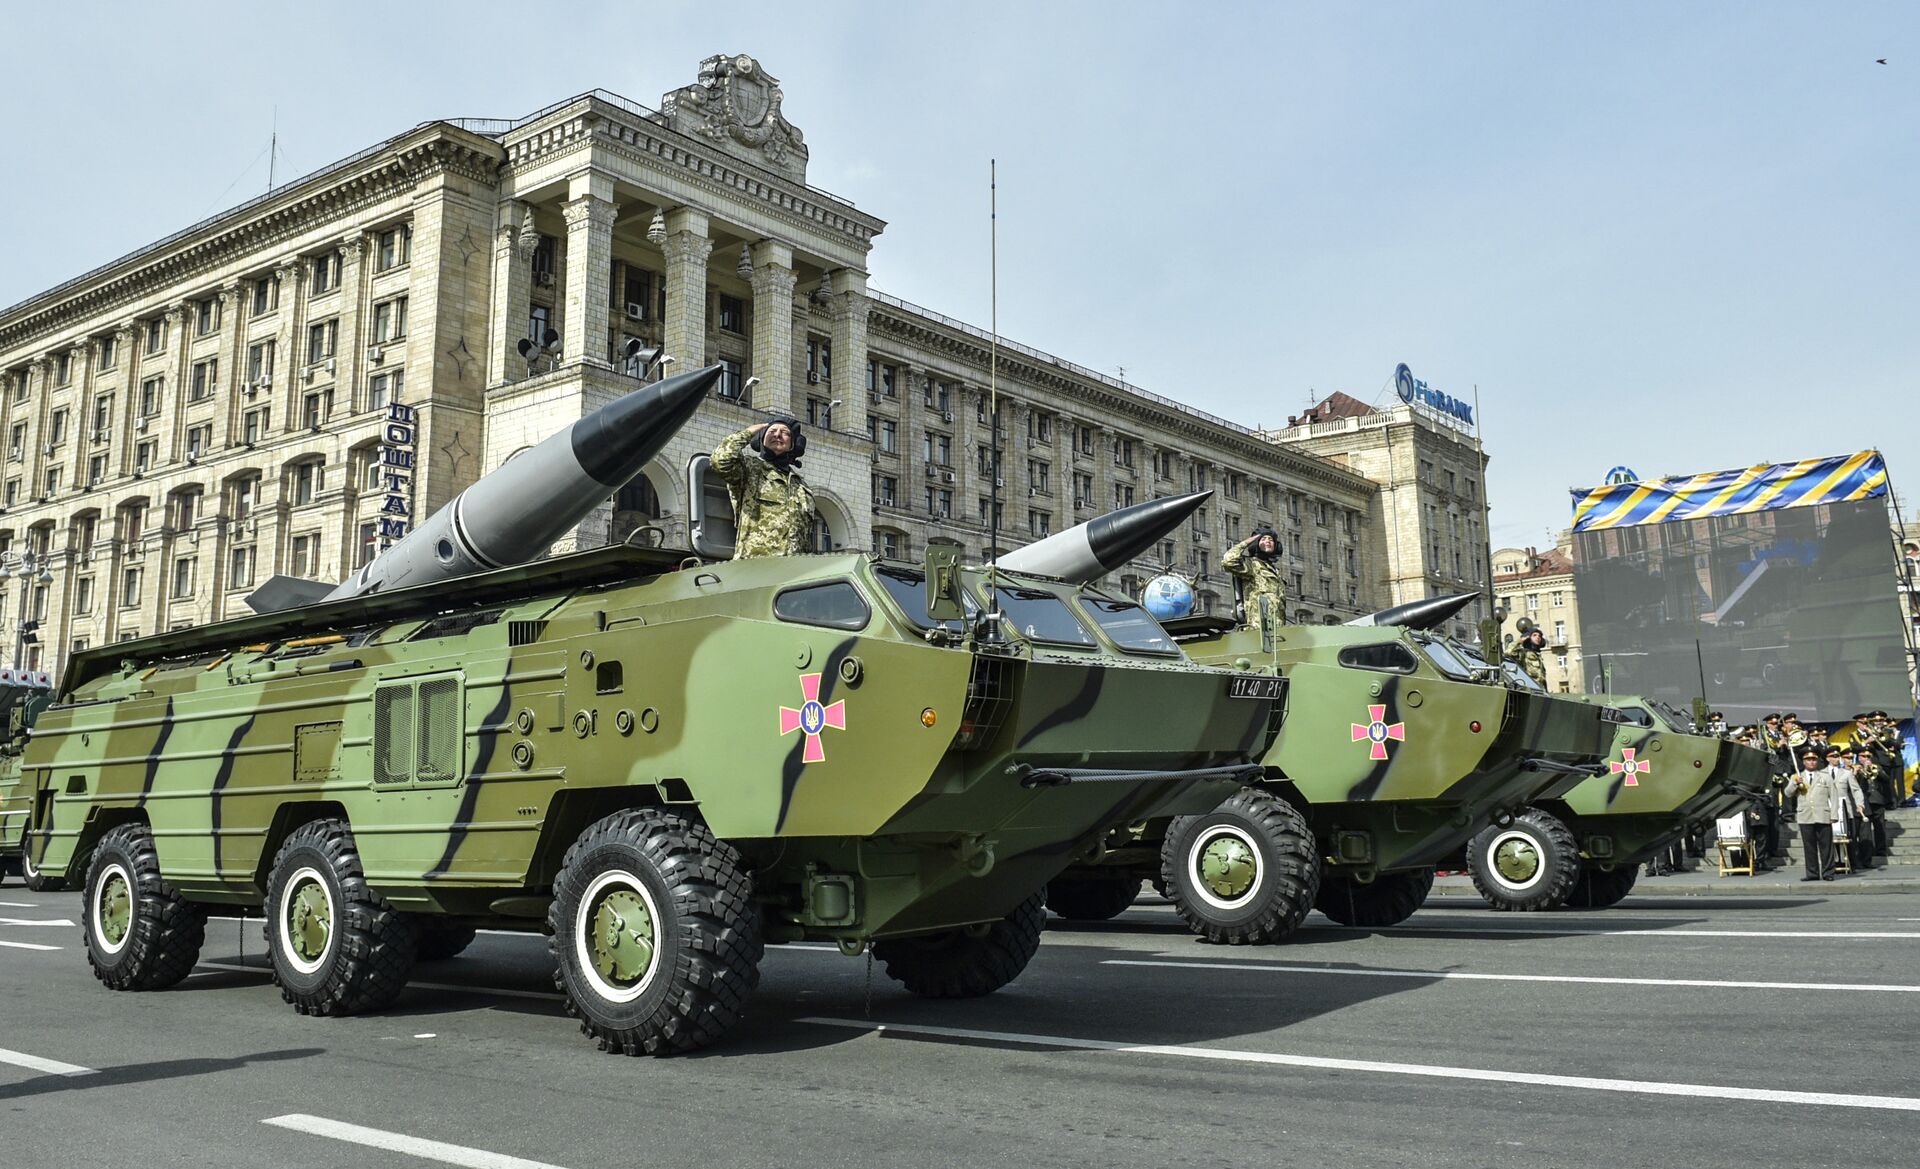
989,698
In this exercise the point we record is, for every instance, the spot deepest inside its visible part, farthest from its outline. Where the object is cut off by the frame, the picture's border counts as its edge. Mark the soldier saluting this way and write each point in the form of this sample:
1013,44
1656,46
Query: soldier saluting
772,507
1529,653
1255,563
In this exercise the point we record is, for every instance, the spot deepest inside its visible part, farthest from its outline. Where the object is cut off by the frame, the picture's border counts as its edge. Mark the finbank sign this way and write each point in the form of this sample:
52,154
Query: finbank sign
1411,389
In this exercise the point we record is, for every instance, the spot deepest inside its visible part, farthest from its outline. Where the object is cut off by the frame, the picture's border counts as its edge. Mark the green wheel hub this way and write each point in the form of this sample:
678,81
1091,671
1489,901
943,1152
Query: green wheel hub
1228,867
116,908
622,939
1516,860
309,920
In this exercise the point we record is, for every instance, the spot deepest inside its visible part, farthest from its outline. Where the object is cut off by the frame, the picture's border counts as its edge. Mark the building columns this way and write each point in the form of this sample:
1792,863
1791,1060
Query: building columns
513,244
687,248
773,281
585,319
847,309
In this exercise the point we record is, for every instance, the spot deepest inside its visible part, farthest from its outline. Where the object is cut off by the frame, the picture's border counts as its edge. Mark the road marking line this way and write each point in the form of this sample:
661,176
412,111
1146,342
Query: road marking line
34,1063
35,921
394,1142
1430,1071
1279,968
1576,932
31,905
500,991
26,946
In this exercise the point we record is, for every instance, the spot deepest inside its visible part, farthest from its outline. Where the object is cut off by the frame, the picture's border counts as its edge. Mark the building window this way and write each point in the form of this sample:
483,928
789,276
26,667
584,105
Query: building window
63,368
732,315
385,388
369,546
1557,600
183,578
939,396
254,425
543,252
732,384
1533,602
819,361
1231,482
240,567
82,596
266,294
1082,489
1122,495
260,363
940,503
143,456
96,470
890,545
244,491
320,340
12,495
819,413
1196,476
888,435
639,290
394,247
1040,522
53,482
130,588
1559,633
886,491
150,391
199,440
305,555
1037,475
1123,452
200,386
389,320
17,442
306,482
156,335
316,407
109,352
1086,440
57,427
206,316
325,274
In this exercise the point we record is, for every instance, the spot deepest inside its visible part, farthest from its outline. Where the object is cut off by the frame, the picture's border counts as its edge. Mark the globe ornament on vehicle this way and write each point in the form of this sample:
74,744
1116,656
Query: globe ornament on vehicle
1168,597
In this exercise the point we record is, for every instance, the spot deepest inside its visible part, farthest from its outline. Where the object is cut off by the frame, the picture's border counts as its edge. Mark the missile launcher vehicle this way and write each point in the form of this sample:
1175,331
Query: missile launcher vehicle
23,694
1399,746
1585,847
665,764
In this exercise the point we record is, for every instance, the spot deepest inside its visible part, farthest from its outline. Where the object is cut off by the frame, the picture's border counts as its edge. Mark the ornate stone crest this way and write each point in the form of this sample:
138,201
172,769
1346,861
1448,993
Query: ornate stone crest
736,104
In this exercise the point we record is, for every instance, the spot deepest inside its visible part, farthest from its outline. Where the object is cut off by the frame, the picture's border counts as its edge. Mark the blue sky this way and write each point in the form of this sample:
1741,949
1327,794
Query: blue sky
1675,236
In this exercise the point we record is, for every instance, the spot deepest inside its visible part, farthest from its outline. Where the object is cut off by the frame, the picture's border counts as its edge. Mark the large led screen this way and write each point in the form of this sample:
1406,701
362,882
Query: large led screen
1789,610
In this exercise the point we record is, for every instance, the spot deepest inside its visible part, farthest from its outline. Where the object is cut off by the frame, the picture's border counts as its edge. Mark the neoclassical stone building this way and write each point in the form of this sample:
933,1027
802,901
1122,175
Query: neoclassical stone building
194,417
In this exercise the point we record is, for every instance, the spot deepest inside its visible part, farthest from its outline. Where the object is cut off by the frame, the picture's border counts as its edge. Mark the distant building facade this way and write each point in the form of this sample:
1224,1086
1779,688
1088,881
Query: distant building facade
1538,586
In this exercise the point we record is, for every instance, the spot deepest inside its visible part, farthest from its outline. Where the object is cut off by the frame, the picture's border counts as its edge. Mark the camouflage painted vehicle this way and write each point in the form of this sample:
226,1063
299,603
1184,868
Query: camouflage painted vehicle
664,764
1585,848
21,700
1397,748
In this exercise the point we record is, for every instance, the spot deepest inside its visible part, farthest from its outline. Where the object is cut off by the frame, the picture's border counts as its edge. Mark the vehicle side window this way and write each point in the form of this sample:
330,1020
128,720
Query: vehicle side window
836,605
1391,657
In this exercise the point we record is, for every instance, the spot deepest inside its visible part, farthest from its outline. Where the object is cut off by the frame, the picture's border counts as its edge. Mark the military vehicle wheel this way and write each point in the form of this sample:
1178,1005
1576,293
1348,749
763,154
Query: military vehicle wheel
656,940
337,947
1091,898
966,963
438,943
36,880
1594,889
1388,899
141,935
1529,864
1245,872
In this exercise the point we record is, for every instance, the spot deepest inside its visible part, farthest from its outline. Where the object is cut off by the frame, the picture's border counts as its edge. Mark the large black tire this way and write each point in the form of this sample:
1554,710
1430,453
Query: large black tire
141,934
966,963
1530,864
1597,889
1388,899
440,942
1091,898
686,901
33,878
1244,873
337,947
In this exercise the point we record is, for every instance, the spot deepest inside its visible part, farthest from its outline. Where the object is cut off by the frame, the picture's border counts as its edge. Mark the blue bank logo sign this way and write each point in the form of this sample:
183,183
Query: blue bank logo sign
1411,390
1622,475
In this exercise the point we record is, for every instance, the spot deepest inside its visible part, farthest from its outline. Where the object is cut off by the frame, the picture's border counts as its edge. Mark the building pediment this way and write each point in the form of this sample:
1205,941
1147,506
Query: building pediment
736,105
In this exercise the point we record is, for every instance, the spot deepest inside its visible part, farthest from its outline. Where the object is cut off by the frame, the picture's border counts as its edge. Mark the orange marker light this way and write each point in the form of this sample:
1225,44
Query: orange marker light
928,718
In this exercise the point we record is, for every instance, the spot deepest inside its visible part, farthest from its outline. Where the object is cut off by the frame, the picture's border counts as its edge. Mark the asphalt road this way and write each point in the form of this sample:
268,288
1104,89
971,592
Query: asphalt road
1464,1038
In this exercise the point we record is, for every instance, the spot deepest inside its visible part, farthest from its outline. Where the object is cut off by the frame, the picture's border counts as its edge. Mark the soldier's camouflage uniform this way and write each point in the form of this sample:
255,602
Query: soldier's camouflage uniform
772,509
1531,660
1259,578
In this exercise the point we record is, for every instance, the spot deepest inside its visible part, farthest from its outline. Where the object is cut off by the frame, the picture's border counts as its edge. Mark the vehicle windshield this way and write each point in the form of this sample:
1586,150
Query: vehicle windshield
909,591
1675,719
1443,656
1040,616
1131,627
1519,677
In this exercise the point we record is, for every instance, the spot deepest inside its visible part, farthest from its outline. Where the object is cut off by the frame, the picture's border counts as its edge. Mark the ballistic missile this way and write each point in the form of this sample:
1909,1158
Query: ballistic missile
514,514
1422,614
1088,551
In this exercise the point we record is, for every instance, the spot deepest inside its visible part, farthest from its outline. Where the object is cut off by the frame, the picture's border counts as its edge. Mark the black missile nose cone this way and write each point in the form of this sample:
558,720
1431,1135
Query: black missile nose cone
1119,536
615,441
1421,614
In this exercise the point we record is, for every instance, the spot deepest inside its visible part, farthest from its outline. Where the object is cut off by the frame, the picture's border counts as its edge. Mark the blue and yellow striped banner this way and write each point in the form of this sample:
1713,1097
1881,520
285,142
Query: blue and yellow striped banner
1767,487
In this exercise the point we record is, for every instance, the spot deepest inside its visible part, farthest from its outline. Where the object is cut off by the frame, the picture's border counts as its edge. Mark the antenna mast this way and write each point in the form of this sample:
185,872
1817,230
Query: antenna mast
993,377
273,149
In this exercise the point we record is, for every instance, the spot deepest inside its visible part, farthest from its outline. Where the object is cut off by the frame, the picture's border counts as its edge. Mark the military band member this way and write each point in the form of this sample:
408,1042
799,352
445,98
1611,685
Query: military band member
1529,653
772,507
1255,563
